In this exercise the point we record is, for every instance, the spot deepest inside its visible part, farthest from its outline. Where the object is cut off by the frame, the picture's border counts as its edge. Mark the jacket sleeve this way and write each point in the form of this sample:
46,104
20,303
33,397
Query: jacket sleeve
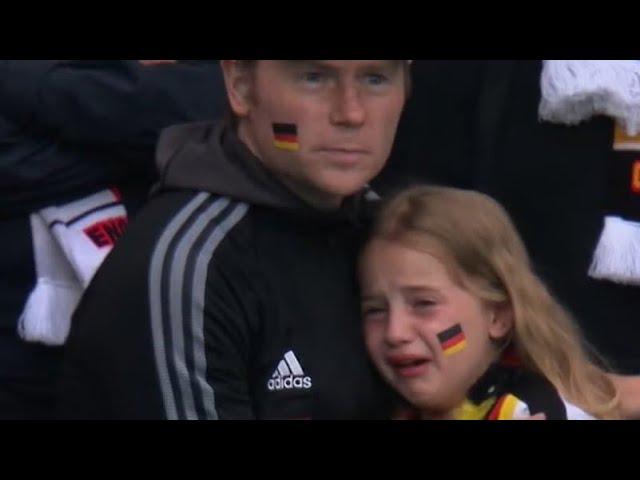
208,371
163,330
108,102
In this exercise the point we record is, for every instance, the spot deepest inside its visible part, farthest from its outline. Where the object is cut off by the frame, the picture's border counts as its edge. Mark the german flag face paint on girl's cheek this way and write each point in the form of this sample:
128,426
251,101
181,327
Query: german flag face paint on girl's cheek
285,136
452,340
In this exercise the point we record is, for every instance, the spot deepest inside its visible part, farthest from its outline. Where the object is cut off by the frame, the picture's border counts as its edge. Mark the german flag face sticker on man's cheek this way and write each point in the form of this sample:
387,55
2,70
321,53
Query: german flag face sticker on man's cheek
452,340
285,136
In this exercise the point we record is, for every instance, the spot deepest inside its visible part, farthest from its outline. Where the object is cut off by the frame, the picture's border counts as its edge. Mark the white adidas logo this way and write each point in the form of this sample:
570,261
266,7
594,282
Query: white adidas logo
289,375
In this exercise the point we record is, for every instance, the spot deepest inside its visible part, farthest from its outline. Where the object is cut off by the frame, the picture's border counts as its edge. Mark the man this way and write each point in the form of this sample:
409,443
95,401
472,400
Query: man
233,294
69,129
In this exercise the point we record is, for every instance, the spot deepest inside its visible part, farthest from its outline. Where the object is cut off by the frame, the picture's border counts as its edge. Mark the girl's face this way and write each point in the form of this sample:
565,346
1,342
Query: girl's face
430,338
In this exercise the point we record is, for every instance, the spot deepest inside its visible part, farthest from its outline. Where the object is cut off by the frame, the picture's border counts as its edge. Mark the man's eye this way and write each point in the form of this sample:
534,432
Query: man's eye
313,77
376,79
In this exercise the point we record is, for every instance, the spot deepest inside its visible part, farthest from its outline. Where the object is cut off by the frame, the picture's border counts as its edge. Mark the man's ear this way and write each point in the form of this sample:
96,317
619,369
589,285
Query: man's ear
237,80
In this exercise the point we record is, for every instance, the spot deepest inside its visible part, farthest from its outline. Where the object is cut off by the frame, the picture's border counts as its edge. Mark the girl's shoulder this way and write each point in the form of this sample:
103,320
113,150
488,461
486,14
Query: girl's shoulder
538,395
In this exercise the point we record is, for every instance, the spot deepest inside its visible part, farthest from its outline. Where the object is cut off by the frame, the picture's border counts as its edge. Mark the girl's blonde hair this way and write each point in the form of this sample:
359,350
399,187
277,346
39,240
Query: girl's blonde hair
484,253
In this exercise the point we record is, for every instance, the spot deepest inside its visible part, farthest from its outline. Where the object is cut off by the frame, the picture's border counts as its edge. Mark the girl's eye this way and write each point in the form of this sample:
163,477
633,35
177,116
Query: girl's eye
369,313
422,305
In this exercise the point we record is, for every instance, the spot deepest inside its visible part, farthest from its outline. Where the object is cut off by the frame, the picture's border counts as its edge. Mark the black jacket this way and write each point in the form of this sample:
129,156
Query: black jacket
228,297
69,128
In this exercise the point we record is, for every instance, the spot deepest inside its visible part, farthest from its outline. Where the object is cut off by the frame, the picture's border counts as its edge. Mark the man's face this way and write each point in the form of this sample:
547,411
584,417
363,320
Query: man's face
338,120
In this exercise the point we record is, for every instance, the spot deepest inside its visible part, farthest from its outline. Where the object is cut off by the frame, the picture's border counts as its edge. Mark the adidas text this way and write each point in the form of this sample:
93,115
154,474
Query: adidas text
289,383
